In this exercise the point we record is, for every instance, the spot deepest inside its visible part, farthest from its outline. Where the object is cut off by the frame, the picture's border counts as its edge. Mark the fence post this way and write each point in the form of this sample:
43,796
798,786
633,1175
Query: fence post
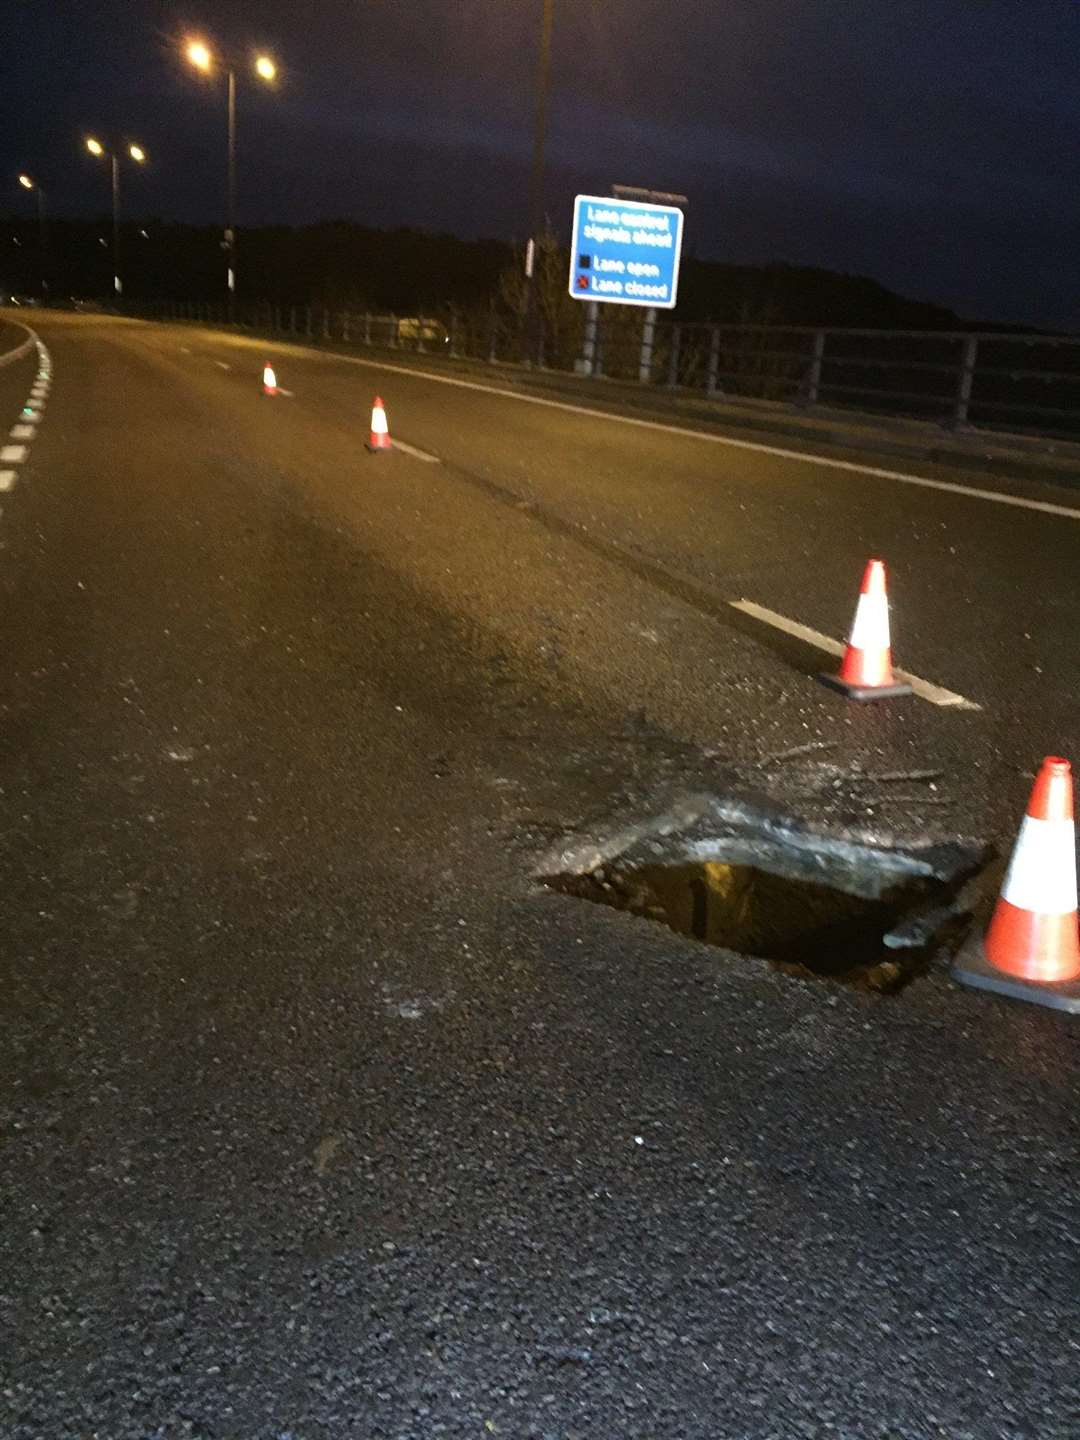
367,327
420,334
307,320
964,380
393,331
648,335
673,365
452,330
493,338
325,323
712,385
346,334
813,371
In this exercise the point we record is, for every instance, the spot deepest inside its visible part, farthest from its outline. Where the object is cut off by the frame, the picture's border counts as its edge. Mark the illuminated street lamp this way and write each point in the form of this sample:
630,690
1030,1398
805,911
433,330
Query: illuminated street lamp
203,58
28,183
133,152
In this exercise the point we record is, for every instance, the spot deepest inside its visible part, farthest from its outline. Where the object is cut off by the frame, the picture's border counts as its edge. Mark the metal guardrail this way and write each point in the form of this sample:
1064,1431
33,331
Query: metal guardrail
1001,380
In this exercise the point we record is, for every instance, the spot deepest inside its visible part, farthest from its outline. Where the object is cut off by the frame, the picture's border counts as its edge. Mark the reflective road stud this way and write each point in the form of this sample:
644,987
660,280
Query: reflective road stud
866,672
1032,948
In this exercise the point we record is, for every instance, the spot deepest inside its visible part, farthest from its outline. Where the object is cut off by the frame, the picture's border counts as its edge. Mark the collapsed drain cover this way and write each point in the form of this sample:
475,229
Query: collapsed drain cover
866,918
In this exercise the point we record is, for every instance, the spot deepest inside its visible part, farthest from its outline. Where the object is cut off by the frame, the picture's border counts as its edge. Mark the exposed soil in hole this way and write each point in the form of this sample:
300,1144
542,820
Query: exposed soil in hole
801,926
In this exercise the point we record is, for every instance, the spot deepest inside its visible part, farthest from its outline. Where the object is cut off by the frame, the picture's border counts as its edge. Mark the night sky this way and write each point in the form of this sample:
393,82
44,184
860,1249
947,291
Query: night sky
932,144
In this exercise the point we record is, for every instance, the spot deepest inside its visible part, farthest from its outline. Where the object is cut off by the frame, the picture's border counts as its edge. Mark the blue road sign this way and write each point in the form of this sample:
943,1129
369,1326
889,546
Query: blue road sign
625,252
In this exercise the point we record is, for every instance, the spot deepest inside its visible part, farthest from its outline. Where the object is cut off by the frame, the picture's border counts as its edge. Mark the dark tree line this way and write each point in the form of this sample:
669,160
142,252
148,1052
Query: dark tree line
340,264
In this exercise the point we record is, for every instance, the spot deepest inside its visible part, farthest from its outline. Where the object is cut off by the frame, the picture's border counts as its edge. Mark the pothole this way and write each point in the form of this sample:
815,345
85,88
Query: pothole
811,906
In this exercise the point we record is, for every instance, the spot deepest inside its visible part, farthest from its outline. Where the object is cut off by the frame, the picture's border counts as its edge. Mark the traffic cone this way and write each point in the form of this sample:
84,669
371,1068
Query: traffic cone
270,386
1032,948
380,430
867,673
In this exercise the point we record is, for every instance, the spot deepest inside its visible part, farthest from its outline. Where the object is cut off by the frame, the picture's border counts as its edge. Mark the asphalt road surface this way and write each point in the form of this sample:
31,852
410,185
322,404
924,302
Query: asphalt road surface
321,1116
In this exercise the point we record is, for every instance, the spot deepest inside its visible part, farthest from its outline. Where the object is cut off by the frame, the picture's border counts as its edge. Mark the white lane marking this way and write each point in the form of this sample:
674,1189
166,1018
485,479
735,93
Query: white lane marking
995,497
936,694
222,364
23,432
7,479
280,390
415,453
24,346
185,350
12,454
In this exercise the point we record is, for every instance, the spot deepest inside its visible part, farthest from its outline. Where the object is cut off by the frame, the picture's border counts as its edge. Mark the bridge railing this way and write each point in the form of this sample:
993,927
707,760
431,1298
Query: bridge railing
993,379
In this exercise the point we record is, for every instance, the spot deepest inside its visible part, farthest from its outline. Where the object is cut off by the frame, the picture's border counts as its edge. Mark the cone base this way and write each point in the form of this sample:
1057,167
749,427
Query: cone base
866,692
972,968
376,449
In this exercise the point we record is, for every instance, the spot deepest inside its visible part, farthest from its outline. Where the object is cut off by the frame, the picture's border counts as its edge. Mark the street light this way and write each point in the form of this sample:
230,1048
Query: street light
28,183
136,153
203,58
536,182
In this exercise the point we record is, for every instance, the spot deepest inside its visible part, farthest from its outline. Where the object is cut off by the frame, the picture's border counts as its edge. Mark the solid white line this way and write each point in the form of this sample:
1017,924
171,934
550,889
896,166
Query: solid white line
936,694
23,432
7,479
415,453
12,454
24,346
995,497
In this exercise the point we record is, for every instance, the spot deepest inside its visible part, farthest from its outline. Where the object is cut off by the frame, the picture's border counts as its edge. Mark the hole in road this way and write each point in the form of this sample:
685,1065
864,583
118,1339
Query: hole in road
875,942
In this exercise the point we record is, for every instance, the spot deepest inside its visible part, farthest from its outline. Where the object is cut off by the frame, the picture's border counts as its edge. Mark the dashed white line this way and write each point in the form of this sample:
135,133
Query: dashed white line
23,432
7,479
12,454
936,694
415,453
711,437
222,365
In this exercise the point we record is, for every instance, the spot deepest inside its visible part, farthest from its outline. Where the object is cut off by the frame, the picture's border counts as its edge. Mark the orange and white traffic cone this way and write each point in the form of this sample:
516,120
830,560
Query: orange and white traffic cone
380,430
866,672
1032,948
270,385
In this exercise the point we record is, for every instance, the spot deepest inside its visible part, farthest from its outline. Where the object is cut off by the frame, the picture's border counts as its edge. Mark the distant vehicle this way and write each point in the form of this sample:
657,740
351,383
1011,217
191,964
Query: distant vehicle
426,334
24,300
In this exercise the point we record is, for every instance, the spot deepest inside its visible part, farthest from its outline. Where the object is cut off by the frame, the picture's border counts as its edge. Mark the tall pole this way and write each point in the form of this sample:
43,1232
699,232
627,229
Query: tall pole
117,285
536,182
43,242
230,203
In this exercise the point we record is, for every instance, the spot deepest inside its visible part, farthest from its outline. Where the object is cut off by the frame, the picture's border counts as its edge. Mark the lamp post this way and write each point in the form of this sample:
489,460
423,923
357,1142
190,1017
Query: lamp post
203,58
536,179
28,183
133,152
